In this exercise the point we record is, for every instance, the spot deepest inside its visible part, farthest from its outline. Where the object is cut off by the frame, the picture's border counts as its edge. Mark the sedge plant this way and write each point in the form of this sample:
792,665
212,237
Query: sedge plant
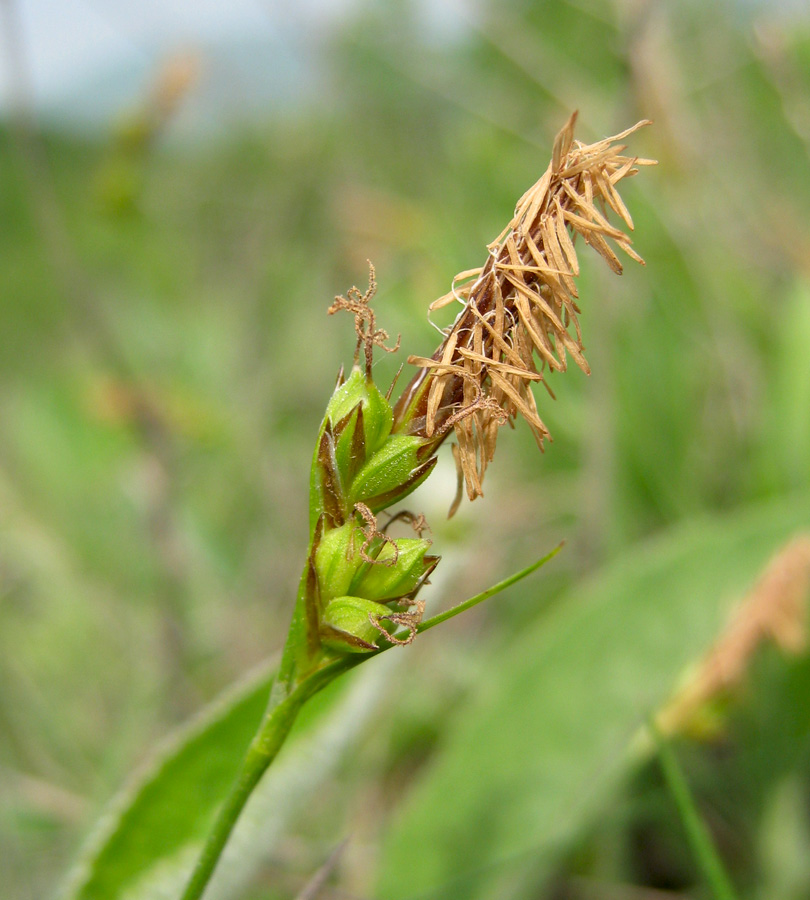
359,593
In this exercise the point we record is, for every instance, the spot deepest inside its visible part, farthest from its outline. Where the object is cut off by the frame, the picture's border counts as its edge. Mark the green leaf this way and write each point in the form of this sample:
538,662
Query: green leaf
159,820
547,734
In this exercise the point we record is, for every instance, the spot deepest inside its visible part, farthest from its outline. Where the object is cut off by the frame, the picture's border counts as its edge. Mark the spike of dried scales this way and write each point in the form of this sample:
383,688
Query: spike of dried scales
523,303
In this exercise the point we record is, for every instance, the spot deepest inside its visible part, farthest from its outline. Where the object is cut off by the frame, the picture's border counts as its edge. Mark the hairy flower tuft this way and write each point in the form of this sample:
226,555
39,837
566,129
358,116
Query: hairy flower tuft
365,325
520,312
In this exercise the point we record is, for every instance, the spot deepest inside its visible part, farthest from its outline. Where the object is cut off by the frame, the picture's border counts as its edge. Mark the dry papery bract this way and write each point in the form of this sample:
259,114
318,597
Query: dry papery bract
520,309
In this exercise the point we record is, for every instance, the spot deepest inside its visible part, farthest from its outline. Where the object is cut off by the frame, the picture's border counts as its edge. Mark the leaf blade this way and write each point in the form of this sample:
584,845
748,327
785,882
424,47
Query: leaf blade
530,760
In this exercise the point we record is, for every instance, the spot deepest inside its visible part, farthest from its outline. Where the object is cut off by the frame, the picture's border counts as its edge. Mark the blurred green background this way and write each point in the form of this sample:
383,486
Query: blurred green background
165,362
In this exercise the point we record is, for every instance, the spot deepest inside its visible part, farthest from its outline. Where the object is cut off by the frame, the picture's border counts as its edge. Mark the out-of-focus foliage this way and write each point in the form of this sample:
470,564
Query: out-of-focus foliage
166,360
506,779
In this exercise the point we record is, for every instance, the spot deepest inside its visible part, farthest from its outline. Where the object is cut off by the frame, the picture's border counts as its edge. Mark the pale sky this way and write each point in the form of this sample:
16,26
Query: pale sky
68,43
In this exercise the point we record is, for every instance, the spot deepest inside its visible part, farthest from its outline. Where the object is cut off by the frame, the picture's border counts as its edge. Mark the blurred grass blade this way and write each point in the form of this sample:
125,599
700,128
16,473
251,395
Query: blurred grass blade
697,833
313,887
546,737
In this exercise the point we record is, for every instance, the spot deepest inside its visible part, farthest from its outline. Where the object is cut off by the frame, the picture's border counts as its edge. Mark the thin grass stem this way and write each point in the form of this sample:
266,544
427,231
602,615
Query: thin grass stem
697,834
426,624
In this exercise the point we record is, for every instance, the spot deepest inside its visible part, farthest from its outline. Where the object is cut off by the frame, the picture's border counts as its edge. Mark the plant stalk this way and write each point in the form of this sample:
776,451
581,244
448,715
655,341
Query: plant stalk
278,720
285,704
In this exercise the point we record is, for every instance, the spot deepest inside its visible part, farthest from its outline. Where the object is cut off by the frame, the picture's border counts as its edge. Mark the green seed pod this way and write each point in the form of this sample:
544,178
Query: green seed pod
337,559
377,415
357,423
383,580
391,473
346,625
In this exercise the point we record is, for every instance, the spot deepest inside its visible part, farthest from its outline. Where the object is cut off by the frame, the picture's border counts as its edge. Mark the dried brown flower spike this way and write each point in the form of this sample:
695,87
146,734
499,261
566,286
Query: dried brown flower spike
520,305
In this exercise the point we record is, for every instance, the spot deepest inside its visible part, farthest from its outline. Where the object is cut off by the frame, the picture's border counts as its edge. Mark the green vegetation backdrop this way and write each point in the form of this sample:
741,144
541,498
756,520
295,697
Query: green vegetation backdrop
164,366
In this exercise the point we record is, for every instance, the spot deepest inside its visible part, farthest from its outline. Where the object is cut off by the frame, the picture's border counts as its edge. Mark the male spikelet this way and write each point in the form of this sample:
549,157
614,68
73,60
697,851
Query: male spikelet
521,306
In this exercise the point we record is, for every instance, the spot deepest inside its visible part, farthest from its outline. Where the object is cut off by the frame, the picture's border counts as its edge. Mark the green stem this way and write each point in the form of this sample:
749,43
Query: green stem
278,720
697,834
